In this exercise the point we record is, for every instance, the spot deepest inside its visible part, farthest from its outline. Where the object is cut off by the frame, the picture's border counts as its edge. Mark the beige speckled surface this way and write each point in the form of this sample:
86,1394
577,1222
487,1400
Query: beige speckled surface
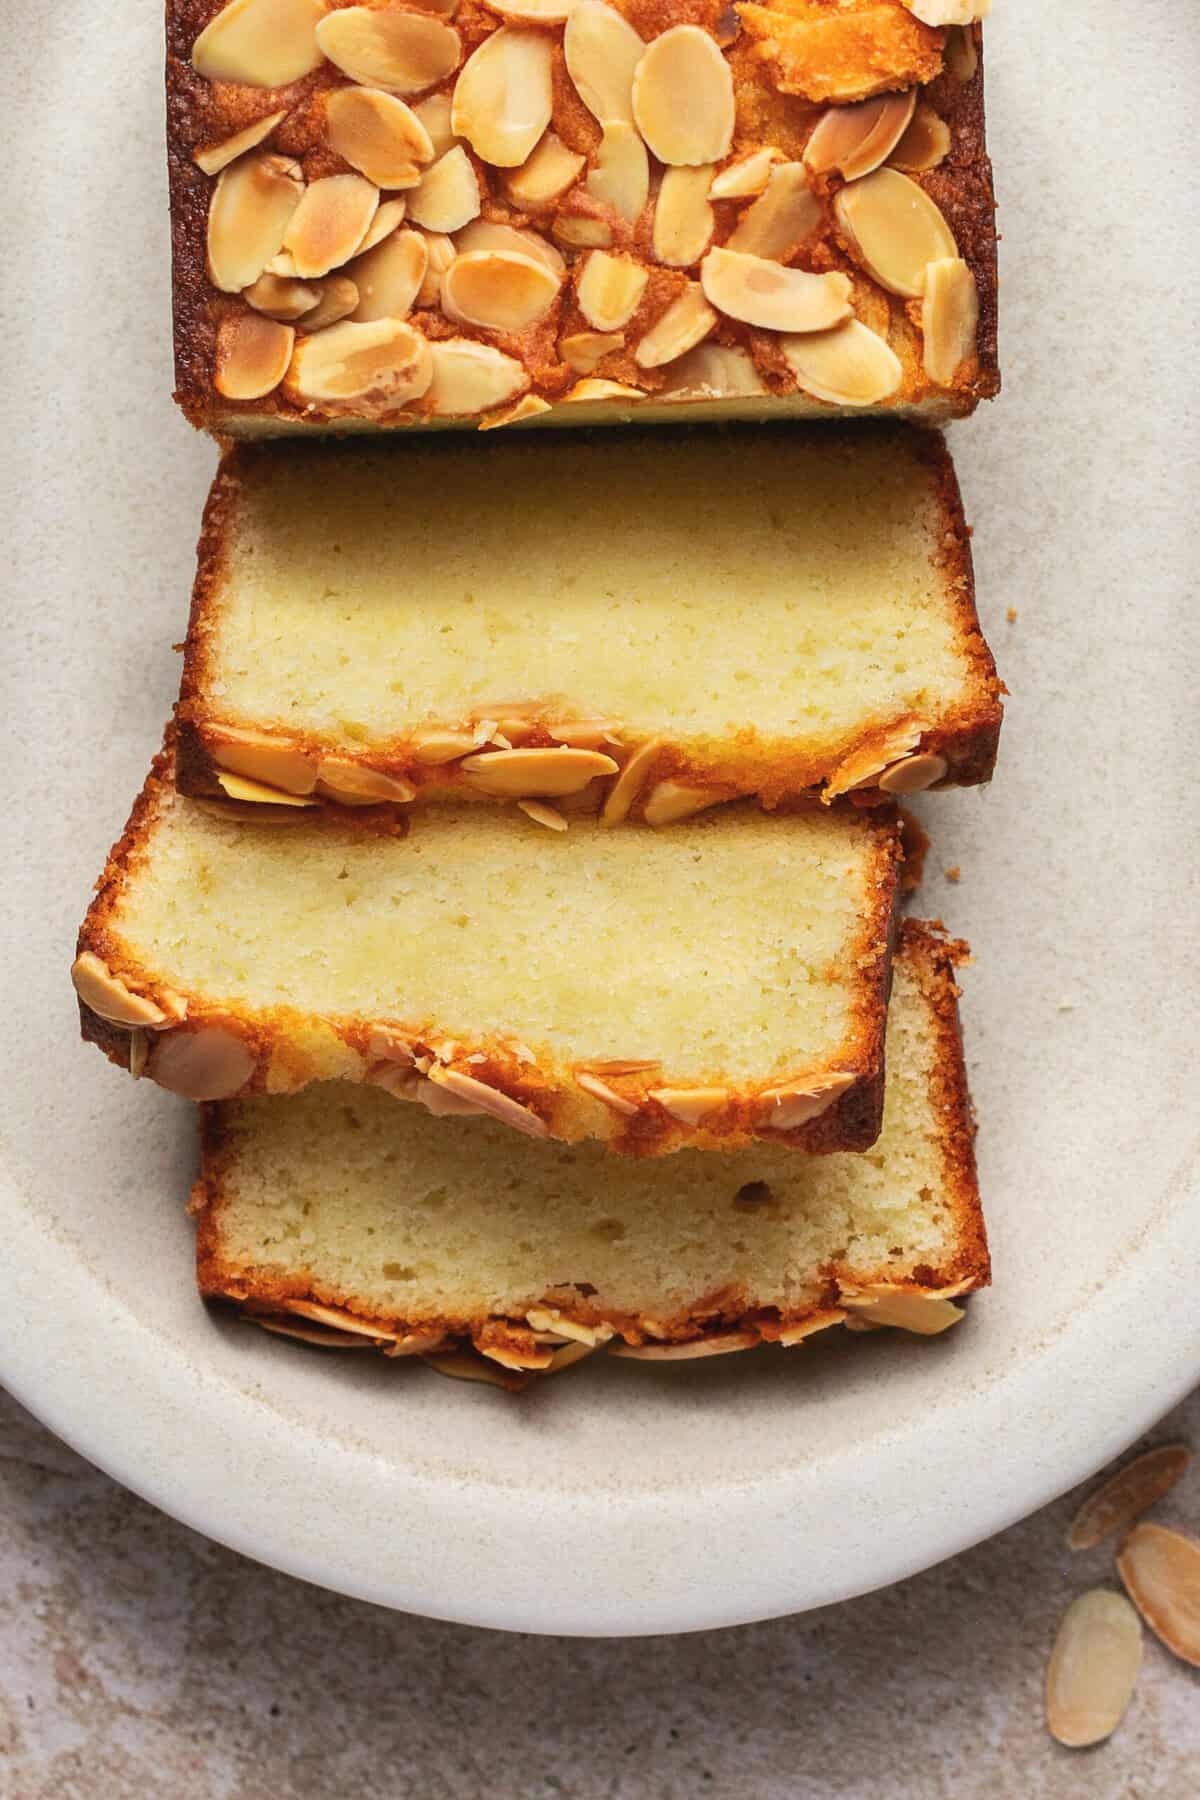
137,1659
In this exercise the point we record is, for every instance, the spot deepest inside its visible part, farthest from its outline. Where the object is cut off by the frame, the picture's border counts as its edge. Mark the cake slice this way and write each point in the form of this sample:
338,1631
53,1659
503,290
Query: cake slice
335,1216
539,617
386,218
713,983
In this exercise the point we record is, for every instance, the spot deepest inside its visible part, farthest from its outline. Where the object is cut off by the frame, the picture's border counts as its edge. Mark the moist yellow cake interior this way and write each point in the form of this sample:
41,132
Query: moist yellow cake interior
413,1217
697,586
720,946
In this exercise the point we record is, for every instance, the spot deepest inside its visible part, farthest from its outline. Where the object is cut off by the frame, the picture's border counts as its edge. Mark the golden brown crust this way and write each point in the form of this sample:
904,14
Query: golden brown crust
964,736
729,1313
279,1050
202,113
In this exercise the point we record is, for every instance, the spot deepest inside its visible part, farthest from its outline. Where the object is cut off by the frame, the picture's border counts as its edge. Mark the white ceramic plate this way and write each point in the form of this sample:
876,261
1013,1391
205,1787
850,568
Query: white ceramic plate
623,1498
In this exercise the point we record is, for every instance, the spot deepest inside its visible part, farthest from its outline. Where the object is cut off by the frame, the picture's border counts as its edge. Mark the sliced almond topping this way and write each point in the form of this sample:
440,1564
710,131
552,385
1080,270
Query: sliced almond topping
600,1090
629,782
489,1100
683,97
722,1344
472,378
482,234
528,407
593,388
509,1356
260,757
949,319
447,197
583,351
603,51
215,157
586,734
281,297
386,361
462,1365
441,253
339,298
1127,1494
260,43
497,290
338,1319
713,372
743,179
796,1334
355,784
848,366
683,218
785,213
687,321
545,174
258,794
925,144
330,223
610,289
671,801
581,232
139,1052
1161,1572
949,12
1093,1668
536,773
913,775
248,217
210,1063
962,56
503,98
541,814
535,12
385,1043
690,1105
320,1335
764,293
433,114
252,355
109,998
925,1315
379,135
436,747
790,1107
894,230
388,47
853,140
621,177
544,1318
388,278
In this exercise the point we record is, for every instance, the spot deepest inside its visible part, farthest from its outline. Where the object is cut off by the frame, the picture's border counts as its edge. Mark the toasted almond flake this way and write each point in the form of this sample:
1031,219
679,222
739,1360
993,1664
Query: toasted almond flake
389,47
415,1343
949,319
241,787
139,1052
339,298
583,351
320,1335
433,114
848,366
330,223
962,56
683,97
472,378
723,1344
1127,1494
621,176
387,1043
789,1107
671,801
536,1358
868,761
388,278
356,784
683,219
544,175
713,372
215,157
592,388
437,747
441,253
796,1334
338,1319
690,1106
1093,1668
260,43
852,140
282,265
629,782
461,1365
379,135
503,98
281,297
764,293
581,232
602,52
489,1100
566,1355
600,1090
925,1315
109,998
251,208
586,734
447,196
482,234
252,355
925,144
746,177
260,757
497,290
894,230
385,361
949,12
913,775
524,774
528,407
1161,1572
609,289
784,215
541,814
210,1063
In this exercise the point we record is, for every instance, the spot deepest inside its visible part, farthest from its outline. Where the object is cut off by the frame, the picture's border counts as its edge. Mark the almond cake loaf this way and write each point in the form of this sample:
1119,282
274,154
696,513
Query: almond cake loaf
712,984
368,626
336,1217
386,216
